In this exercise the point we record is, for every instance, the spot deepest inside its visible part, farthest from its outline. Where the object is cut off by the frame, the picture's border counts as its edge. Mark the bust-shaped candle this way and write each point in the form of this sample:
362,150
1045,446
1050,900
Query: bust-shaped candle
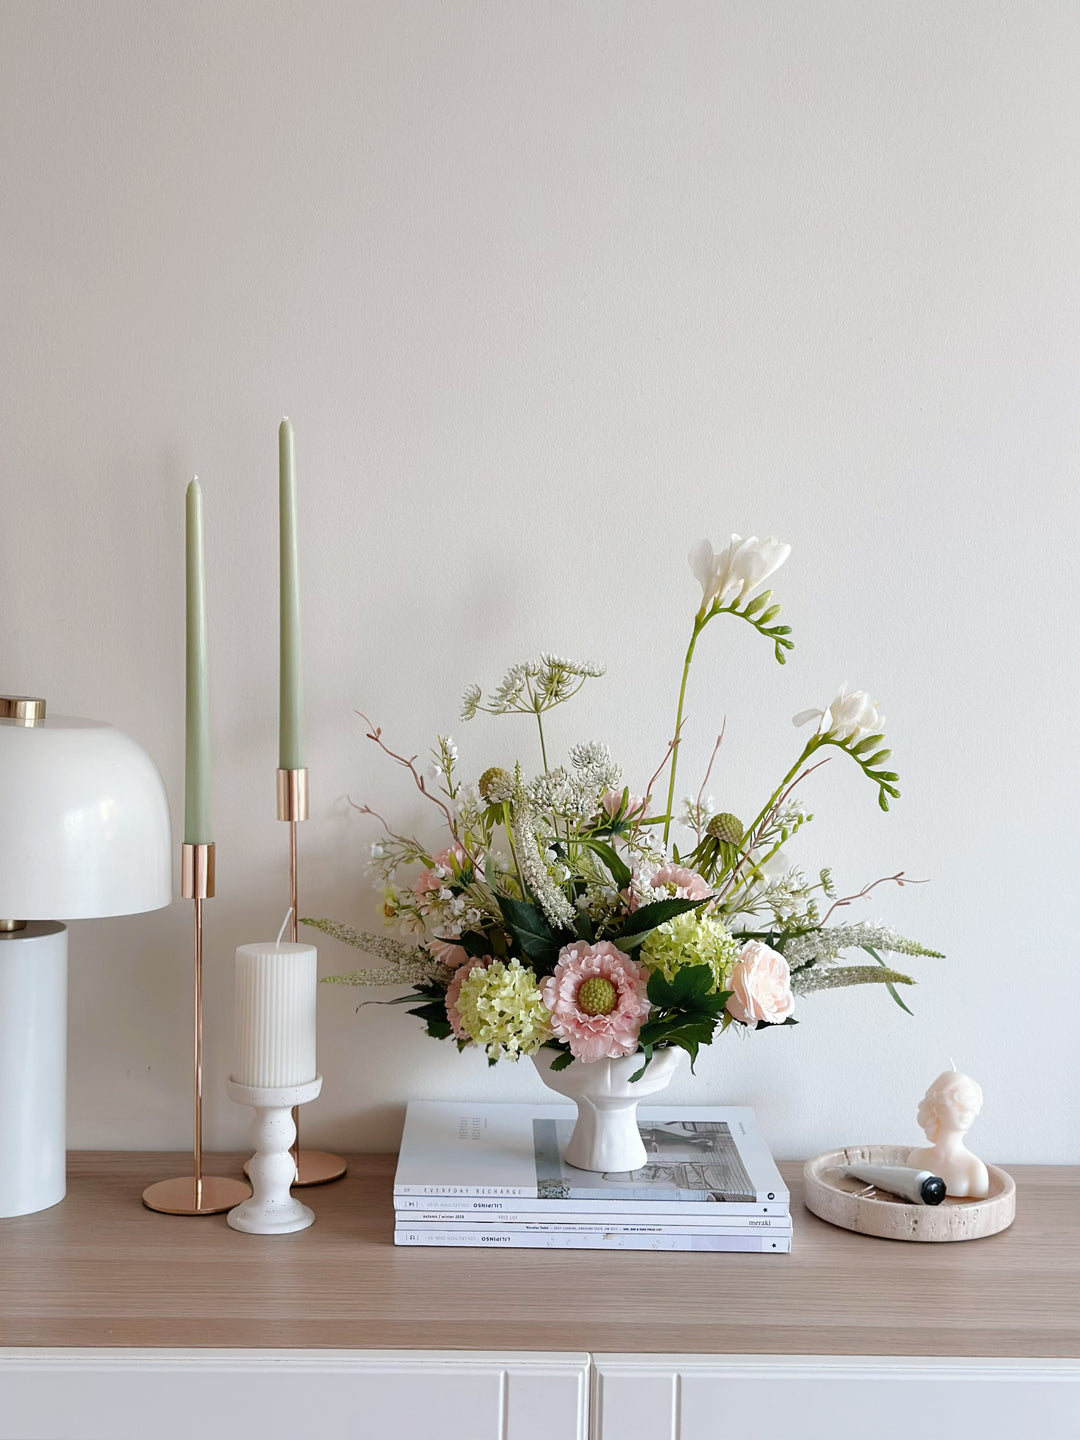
946,1113
275,1014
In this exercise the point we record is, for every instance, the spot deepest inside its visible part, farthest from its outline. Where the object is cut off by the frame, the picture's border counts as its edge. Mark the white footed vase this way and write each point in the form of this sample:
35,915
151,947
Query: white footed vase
606,1134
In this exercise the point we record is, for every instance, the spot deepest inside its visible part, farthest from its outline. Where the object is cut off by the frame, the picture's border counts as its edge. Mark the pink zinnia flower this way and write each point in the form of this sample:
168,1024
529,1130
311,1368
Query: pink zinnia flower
688,884
453,990
597,1000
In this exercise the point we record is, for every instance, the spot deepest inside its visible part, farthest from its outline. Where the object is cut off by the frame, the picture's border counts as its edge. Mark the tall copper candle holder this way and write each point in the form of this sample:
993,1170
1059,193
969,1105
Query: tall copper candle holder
313,1167
197,1194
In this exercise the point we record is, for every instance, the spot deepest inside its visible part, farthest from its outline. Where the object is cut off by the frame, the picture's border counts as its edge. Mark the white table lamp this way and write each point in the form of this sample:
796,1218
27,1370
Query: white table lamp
84,832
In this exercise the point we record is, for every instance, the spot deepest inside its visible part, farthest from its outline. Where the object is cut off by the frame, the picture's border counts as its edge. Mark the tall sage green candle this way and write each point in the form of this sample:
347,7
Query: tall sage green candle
291,722
197,748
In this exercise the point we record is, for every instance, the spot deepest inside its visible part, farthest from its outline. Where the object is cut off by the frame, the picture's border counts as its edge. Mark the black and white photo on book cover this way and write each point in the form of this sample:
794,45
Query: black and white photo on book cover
698,1156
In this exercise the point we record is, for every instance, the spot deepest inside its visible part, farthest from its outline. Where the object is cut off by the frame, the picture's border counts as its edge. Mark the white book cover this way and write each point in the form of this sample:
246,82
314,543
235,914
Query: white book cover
612,1240
473,1207
604,1218
619,1226
702,1155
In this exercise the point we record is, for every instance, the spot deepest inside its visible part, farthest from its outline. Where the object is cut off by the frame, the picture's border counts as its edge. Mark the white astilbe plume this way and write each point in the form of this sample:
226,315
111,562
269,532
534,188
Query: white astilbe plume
803,982
825,946
547,894
405,964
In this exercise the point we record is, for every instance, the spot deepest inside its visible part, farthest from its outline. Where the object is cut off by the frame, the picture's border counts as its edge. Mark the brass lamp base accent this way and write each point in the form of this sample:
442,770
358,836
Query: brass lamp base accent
186,1196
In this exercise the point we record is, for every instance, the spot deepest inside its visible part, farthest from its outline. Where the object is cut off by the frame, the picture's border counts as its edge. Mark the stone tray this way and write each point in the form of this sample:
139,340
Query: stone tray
833,1197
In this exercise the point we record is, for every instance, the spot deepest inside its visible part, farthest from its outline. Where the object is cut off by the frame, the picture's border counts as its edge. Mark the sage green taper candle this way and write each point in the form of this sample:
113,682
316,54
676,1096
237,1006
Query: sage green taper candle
291,720
197,747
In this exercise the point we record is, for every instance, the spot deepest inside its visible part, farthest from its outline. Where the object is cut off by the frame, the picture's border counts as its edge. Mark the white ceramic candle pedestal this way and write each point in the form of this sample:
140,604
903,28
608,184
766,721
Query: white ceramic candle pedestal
606,1135
272,1170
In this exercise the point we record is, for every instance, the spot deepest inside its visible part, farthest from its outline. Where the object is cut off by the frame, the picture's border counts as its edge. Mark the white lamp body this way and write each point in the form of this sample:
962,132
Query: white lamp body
84,832
33,1067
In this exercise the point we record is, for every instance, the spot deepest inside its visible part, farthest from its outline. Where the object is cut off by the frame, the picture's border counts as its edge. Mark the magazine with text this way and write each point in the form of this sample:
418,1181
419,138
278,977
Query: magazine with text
700,1155
612,1240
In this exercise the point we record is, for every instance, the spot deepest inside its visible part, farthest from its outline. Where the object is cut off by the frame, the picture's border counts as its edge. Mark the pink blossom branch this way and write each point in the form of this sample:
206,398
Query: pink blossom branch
708,772
375,733
754,840
367,810
898,879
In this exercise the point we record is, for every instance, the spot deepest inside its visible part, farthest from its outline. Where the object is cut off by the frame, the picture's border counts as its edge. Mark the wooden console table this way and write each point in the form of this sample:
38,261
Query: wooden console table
629,1344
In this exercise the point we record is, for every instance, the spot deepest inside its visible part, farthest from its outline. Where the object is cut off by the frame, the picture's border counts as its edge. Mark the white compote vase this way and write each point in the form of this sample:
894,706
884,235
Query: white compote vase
606,1135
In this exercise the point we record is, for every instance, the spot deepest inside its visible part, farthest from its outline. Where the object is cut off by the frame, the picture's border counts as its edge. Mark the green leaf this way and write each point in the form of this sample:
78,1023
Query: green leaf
642,922
888,983
764,1024
434,1016
648,1049
475,944
562,1061
620,872
528,925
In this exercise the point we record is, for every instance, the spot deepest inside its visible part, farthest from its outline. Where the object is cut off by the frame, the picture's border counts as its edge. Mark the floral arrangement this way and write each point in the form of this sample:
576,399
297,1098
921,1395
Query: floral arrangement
558,909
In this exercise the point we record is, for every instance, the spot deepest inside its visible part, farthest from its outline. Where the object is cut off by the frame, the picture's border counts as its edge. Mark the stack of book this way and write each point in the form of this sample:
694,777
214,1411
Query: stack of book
494,1176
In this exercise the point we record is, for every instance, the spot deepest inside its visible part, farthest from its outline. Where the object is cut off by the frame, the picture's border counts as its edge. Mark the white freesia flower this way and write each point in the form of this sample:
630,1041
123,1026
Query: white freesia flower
737,571
851,716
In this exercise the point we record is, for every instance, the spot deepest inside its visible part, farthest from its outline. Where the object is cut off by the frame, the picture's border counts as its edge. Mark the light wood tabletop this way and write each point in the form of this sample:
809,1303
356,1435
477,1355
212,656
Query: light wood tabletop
102,1270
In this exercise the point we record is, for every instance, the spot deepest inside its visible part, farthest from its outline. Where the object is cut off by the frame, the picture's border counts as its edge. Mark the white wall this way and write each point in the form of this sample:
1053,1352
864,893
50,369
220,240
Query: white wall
550,291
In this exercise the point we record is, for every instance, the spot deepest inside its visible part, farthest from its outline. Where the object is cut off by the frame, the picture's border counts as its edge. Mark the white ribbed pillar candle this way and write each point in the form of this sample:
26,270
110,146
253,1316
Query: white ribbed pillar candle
275,1014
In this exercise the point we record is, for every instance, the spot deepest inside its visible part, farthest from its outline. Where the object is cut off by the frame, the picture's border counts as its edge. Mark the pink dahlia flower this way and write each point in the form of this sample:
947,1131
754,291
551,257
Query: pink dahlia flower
688,884
453,990
597,1000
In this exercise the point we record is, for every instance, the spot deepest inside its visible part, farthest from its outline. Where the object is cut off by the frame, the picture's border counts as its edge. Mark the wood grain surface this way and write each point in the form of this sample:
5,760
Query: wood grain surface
100,1269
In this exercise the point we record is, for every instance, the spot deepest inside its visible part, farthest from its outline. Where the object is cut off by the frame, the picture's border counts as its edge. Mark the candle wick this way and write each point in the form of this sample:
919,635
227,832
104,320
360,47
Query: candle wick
283,924
952,1063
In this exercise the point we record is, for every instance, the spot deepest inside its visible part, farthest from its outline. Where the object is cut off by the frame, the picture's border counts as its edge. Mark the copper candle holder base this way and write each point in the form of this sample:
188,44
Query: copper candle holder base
209,1196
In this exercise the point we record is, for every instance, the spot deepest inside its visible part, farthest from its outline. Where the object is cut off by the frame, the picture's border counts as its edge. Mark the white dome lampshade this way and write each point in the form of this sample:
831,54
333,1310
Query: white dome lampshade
85,827
84,832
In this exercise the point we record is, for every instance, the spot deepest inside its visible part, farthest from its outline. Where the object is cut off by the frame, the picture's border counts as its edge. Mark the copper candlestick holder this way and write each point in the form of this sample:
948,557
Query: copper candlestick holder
313,1167
197,1194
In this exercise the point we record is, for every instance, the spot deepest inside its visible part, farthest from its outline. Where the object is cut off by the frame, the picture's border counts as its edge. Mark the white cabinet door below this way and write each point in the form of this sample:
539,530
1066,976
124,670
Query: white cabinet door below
291,1395
761,1397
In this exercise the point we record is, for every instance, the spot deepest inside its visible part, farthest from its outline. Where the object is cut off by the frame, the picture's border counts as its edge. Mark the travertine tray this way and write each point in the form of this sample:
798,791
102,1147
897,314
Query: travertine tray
833,1197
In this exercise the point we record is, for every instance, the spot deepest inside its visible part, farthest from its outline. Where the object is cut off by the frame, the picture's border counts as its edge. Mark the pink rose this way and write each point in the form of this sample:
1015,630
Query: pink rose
686,884
761,986
453,990
612,803
447,952
597,999
450,862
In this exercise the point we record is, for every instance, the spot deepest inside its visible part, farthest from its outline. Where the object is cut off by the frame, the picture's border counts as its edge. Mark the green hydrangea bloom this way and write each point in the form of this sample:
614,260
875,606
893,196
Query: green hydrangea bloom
691,938
501,1009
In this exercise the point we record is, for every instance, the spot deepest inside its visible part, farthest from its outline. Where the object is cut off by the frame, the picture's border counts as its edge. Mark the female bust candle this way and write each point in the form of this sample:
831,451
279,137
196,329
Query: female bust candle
946,1113
275,1014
